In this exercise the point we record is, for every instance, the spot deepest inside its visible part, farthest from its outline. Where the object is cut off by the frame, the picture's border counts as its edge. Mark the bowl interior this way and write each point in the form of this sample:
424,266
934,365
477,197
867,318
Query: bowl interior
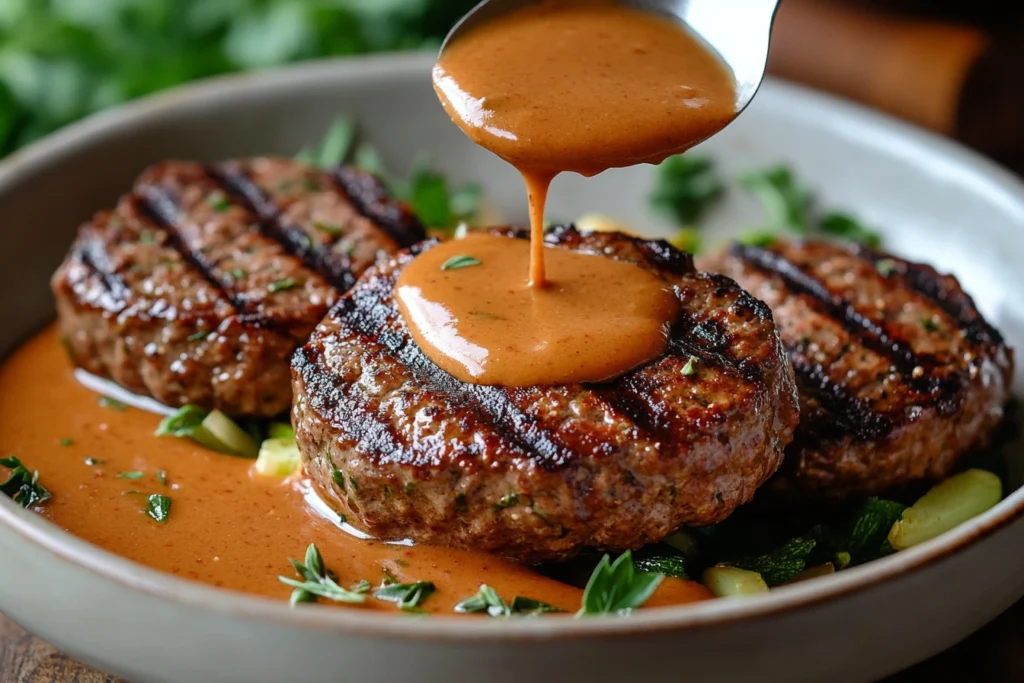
930,199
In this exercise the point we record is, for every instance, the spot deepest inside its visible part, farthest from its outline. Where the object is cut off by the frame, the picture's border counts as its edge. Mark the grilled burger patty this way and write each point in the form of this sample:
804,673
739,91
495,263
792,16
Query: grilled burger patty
540,472
198,286
899,373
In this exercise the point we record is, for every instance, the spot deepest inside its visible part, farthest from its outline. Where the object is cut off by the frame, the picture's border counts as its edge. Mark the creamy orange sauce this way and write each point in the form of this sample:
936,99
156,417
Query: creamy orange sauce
483,323
563,85
227,527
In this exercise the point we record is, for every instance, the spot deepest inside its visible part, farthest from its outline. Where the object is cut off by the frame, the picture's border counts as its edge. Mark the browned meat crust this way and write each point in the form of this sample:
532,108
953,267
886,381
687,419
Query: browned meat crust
197,287
899,373
540,472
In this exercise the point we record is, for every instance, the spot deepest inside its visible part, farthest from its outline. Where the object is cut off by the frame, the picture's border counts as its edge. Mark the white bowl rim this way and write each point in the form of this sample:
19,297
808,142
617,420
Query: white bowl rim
983,175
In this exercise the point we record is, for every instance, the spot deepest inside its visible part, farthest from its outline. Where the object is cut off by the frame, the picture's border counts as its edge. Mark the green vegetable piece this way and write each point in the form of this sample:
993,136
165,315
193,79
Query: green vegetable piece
946,506
782,564
280,430
67,442
787,204
664,564
507,501
460,261
134,476
335,146
486,600
318,581
214,430
408,596
158,507
688,369
758,238
278,457
617,588
198,336
870,529
686,188
849,228
22,486
182,423
725,582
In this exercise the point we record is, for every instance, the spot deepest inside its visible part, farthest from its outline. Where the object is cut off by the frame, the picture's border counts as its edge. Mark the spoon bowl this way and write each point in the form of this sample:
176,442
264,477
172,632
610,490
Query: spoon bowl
739,32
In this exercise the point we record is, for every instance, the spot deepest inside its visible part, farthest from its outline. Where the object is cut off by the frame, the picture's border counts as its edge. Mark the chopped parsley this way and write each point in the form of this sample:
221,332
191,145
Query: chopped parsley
112,403
134,476
686,188
67,442
408,596
332,229
318,581
617,587
886,267
218,202
339,479
929,324
238,273
460,261
486,600
507,501
22,485
158,507
282,285
688,369
199,336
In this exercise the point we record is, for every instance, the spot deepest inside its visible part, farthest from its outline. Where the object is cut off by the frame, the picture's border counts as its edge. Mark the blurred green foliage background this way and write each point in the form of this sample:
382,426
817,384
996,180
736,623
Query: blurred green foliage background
61,60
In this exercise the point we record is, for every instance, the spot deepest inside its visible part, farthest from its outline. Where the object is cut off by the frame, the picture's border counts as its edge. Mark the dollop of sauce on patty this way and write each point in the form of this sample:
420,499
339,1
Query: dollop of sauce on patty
562,85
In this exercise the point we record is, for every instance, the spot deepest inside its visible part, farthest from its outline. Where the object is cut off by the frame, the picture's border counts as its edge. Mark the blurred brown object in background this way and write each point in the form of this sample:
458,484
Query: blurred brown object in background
951,77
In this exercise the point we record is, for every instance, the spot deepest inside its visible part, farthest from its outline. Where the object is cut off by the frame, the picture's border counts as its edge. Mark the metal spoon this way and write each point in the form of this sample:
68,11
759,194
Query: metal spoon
738,30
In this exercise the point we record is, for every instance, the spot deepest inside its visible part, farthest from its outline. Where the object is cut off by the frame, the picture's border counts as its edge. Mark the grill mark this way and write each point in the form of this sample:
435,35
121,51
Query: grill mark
94,256
372,200
325,395
160,206
368,312
335,268
848,415
928,283
865,331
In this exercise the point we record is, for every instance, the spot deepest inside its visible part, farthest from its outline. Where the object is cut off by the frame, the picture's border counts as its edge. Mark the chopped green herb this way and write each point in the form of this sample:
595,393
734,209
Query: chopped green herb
147,237
353,484
368,158
617,588
459,261
848,228
318,581
331,229
218,202
686,188
530,607
869,532
94,461
409,487
335,146
782,564
238,273
408,596
107,402
486,600
929,324
886,267
428,193
182,423
158,507
134,476
758,238
67,442
688,369
282,285
339,479
213,430
507,501
161,477
199,336
23,486
786,203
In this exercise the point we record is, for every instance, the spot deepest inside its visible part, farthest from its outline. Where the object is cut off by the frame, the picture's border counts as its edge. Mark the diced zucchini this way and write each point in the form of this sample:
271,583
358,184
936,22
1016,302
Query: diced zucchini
280,430
724,581
947,505
278,457
218,432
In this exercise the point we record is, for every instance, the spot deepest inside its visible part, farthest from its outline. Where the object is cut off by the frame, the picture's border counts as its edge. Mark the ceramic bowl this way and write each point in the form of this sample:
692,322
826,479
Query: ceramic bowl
931,199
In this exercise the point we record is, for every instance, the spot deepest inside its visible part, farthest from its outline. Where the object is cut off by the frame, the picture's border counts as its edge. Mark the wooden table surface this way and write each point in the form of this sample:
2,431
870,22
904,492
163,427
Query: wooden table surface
994,654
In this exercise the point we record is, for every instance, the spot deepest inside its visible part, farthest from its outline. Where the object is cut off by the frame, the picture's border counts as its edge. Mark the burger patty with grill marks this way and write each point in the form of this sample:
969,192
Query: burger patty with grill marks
539,472
899,373
198,286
